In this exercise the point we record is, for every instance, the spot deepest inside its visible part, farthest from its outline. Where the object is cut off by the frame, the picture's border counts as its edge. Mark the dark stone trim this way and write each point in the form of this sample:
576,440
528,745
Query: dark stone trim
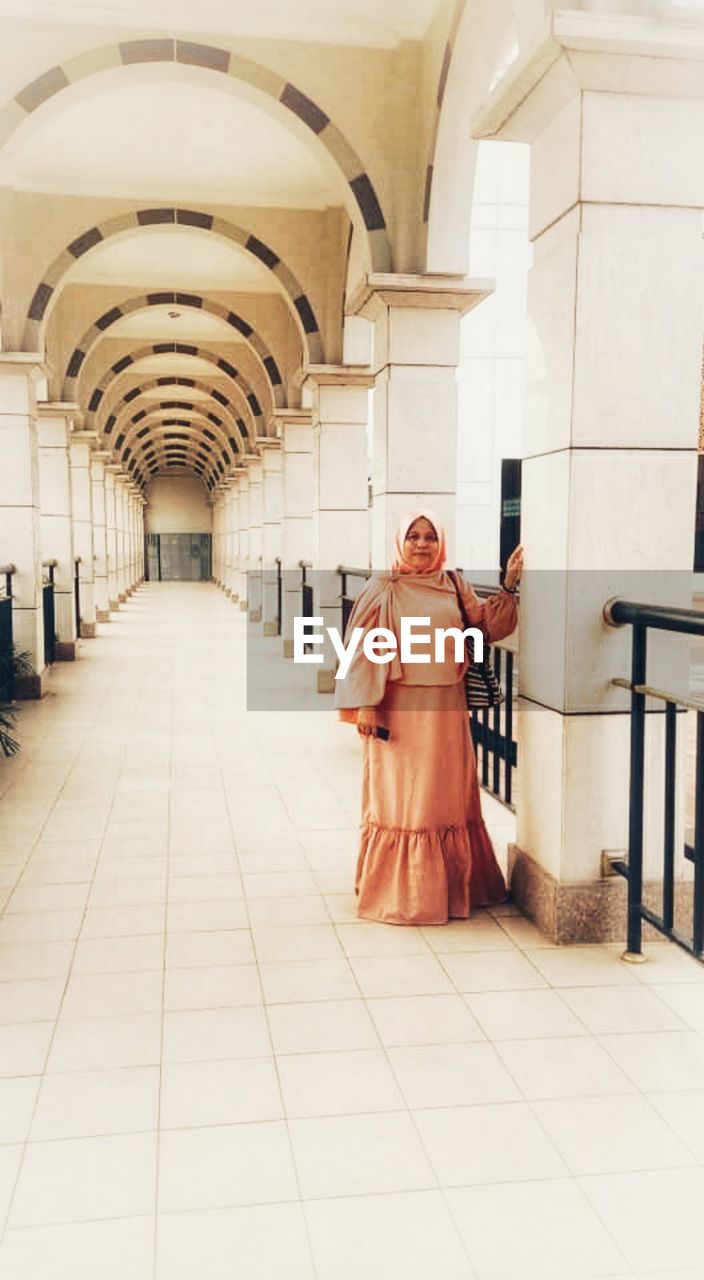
95,400
305,311
191,218
123,363
273,371
227,368
159,299
262,251
444,72
41,89
304,108
239,324
188,300
254,404
426,193
40,301
75,363
149,217
87,241
203,55
110,317
365,196
147,51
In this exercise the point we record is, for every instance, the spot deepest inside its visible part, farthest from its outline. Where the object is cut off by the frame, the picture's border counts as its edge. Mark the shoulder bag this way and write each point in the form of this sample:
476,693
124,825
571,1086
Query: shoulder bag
482,689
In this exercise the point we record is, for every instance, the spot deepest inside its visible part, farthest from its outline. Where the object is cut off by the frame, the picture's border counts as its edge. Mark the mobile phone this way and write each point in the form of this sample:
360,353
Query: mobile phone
381,732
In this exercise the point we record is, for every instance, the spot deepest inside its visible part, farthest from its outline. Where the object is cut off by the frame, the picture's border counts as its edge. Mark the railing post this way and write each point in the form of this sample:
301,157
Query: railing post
698,929
7,664
635,813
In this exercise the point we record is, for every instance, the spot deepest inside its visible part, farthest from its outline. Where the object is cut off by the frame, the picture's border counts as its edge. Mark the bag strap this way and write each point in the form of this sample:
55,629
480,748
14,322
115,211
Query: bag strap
466,624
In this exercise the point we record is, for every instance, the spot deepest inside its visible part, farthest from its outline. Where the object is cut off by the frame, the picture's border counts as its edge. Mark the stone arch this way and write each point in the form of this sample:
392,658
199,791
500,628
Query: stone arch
299,303
179,348
197,302
221,62
152,384
194,439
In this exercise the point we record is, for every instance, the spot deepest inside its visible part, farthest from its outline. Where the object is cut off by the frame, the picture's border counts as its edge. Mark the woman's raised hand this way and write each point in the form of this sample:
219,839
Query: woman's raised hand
514,568
366,721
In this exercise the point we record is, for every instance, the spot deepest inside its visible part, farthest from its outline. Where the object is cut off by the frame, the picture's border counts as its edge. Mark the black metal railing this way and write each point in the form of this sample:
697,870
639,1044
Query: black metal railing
493,729
77,594
642,617
279,595
7,666
306,596
49,611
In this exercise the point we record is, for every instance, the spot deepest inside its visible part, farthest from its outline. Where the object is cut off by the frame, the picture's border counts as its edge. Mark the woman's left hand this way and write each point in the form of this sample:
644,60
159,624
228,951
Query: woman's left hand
514,568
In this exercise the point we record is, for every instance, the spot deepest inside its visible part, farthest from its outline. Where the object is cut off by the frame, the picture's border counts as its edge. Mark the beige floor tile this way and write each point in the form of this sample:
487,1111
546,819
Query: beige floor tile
211,1168
95,1103
93,1044
524,933
684,1113
326,1025
197,917
34,960
65,870
113,1250
23,1048
266,1241
208,864
121,866
492,971
343,1083
481,933
367,938
589,966
299,909
225,1092
685,999
288,884
614,1009
342,905
654,1217
517,1015
359,1155
76,824
611,1134
49,897
35,1000
212,987
119,955
418,1020
213,1034
122,922
41,926
296,942
660,1059
569,1067
410,1234
665,962
447,1075
534,1231
17,1098
401,975
487,1143
112,994
212,948
85,1178
142,892
10,1160
191,889
308,980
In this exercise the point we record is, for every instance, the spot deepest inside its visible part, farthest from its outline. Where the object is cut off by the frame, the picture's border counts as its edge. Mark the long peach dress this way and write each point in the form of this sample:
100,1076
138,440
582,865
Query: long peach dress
425,854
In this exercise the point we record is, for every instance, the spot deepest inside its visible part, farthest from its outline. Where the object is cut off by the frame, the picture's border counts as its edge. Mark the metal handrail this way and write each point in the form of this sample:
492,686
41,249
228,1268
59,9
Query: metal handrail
642,617
8,570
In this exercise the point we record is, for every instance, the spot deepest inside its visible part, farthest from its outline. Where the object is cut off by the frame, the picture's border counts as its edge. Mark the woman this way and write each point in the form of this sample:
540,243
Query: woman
425,853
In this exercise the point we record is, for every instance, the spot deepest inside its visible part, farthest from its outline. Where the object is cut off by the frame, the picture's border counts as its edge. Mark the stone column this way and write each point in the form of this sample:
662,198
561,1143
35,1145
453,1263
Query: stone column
81,445
609,476
141,504
121,536
100,542
272,515
54,422
415,422
341,522
296,430
111,535
254,555
232,541
243,539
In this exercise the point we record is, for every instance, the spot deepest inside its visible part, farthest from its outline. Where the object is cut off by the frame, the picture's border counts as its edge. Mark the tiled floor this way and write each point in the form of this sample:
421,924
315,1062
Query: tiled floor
211,1069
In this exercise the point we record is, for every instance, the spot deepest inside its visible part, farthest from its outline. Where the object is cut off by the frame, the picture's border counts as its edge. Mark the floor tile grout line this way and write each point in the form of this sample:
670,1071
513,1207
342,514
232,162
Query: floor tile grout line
56,1019
157,1154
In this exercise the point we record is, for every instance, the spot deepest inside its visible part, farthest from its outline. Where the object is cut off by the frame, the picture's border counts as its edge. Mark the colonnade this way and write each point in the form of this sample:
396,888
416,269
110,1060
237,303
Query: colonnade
64,505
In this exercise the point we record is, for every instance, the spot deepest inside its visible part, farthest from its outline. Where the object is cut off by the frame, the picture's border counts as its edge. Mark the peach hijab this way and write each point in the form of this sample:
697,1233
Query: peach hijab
400,564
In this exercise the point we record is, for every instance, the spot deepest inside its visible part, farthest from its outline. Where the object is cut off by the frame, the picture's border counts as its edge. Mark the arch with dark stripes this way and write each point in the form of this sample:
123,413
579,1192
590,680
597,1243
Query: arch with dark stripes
365,201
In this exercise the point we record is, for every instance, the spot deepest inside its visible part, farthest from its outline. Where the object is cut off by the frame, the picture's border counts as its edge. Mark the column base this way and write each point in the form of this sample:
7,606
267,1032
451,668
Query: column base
102,615
243,605
122,598
288,648
87,630
255,615
30,688
326,682
271,628
65,650
586,912
114,605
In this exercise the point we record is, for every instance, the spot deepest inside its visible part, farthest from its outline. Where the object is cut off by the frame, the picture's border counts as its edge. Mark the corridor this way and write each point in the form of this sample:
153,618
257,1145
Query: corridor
211,1068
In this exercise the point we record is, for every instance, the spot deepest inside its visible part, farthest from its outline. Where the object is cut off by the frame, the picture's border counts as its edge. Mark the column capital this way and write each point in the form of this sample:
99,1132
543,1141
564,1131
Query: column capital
28,360
85,437
603,52
59,408
337,375
291,417
268,442
382,290
101,455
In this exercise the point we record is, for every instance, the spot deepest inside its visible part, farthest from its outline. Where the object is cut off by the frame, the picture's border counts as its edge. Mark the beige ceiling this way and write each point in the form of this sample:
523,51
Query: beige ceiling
174,257
355,22
133,137
179,323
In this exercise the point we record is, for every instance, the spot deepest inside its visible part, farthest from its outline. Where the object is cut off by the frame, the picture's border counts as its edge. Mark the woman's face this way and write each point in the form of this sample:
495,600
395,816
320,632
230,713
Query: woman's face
421,544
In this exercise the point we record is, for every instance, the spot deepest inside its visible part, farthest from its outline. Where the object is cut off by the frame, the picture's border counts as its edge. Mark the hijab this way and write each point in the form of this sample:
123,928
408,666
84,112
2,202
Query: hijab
400,564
